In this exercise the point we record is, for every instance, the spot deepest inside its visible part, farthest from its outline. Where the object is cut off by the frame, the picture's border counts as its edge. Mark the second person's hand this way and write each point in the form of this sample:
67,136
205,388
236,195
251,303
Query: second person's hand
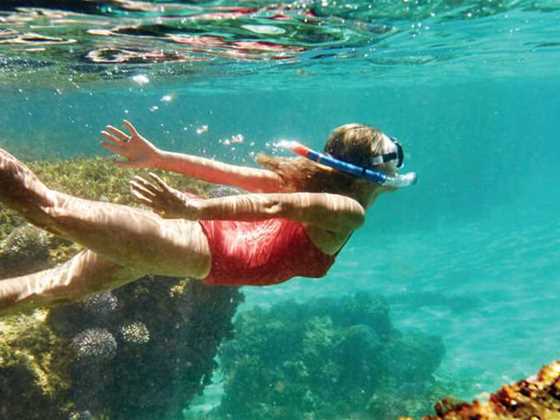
138,151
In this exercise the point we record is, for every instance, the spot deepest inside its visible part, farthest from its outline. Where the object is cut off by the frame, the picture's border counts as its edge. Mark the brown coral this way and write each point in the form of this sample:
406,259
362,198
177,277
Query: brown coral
534,398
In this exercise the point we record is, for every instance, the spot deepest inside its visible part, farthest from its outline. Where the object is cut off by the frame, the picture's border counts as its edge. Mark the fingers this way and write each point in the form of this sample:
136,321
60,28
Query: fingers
117,134
160,182
141,198
146,198
112,147
146,192
146,185
131,128
111,138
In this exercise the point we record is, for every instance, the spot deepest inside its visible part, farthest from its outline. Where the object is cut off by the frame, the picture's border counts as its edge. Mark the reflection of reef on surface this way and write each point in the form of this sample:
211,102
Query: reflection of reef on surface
327,359
139,352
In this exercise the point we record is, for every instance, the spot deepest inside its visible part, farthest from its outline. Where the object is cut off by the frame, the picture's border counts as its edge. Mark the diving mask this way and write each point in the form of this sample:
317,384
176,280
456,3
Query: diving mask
397,156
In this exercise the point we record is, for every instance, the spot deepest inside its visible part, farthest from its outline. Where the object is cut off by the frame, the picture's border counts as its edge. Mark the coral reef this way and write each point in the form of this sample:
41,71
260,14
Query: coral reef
144,357
330,358
139,352
534,398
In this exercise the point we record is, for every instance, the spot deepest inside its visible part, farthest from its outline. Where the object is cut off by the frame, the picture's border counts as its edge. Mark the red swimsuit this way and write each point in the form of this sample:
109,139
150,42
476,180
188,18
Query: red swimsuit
261,253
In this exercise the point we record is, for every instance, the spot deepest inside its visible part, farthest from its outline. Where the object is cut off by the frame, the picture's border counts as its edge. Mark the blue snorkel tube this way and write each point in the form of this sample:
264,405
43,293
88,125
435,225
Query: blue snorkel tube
398,181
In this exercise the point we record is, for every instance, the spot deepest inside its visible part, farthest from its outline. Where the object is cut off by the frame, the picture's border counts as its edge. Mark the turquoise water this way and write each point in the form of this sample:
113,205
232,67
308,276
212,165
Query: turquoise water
470,254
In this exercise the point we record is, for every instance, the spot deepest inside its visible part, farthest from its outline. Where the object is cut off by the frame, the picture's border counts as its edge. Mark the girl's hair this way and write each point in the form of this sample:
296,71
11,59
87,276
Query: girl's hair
353,143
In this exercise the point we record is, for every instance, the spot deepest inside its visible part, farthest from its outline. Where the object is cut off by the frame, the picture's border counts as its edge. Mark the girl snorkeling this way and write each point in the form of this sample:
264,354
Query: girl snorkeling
294,220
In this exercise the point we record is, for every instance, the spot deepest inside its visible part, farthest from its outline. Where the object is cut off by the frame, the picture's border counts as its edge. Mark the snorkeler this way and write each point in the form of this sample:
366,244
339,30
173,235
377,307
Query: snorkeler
294,220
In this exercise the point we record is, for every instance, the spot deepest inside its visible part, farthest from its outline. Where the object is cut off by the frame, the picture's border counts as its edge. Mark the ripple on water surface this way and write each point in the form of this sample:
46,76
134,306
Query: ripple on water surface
78,42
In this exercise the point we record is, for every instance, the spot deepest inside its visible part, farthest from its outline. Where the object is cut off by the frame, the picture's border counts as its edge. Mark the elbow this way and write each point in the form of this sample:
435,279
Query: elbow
342,222
275,208
354,217
356,220
361,220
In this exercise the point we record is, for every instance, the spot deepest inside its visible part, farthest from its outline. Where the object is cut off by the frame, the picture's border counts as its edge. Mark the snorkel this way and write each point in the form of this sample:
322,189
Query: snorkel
398,181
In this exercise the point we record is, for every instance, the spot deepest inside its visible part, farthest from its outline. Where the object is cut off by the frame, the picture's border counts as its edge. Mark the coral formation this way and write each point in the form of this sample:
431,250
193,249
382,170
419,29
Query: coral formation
101,304
139,352
26,249
535,398
94,345
135,332
330,358
143,359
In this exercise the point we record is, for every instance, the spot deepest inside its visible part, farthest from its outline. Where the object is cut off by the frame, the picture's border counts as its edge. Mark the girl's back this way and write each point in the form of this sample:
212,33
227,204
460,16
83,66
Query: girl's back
262,252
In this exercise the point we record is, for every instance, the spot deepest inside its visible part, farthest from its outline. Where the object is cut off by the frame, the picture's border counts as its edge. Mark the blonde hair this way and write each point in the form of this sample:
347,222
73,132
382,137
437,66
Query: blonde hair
353,143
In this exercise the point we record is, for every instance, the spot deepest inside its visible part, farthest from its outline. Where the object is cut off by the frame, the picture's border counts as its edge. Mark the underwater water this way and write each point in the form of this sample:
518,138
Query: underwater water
469,256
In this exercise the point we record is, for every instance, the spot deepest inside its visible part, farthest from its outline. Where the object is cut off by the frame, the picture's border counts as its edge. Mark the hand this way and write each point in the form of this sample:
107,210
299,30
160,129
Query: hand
138,151
164,200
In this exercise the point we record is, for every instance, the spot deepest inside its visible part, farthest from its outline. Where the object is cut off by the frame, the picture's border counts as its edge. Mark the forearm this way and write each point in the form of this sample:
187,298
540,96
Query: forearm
194,166
215,172
325,210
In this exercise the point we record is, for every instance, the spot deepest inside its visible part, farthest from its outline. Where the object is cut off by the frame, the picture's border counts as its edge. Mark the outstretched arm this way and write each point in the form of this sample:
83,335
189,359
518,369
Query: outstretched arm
141,153
332,212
